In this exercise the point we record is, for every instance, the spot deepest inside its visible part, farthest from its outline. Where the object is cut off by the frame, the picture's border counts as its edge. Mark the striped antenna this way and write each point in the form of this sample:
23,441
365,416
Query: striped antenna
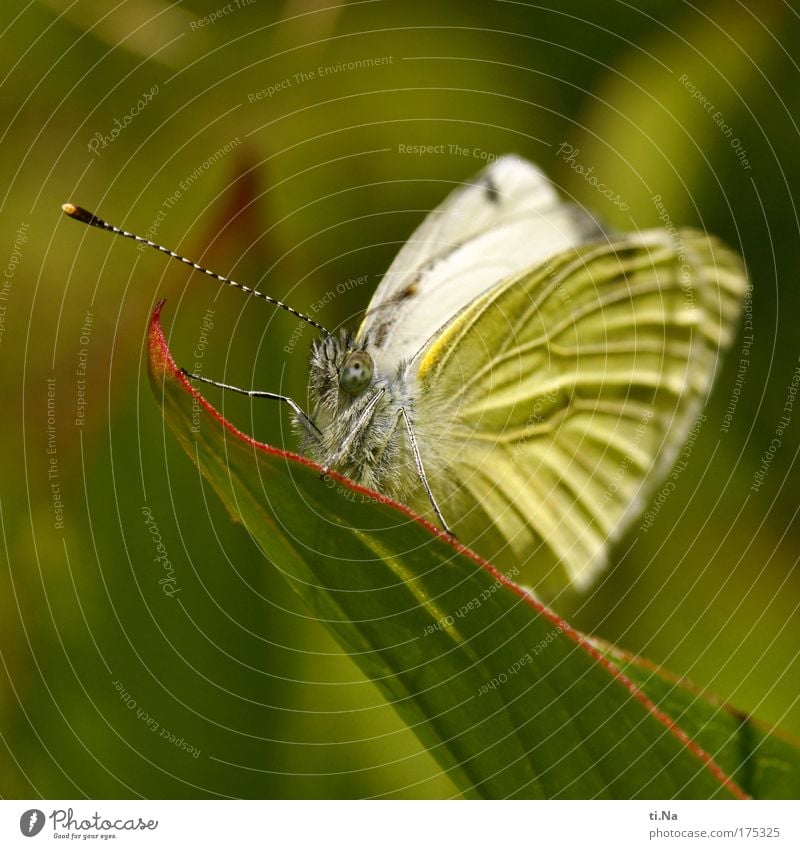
81,214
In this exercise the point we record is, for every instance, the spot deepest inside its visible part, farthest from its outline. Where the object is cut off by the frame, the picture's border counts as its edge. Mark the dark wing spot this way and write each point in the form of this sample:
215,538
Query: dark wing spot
409,291
491,190
380,333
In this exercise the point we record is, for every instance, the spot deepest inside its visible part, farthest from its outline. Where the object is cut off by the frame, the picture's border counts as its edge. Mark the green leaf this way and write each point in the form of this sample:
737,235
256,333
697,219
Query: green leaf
760,759
509,698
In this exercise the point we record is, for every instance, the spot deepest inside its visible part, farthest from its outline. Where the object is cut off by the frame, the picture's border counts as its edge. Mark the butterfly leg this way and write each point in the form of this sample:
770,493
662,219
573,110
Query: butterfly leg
421,472
255,393
358,427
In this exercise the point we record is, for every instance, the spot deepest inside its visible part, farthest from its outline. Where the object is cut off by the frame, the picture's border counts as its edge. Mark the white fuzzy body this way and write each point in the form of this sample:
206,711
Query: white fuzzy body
379,455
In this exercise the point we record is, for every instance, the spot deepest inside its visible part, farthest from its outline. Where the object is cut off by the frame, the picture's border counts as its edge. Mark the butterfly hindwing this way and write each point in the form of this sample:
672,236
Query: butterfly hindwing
571,388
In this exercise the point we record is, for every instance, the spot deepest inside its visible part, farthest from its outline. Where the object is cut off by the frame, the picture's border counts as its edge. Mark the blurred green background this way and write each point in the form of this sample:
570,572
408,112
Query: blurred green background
266,140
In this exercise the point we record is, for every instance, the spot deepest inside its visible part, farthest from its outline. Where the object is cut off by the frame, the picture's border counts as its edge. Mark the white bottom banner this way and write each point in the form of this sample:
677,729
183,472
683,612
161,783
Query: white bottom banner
400,824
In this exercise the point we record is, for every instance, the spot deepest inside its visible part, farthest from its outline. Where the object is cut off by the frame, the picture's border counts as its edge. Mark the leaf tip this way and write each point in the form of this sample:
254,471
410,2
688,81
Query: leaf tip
161,364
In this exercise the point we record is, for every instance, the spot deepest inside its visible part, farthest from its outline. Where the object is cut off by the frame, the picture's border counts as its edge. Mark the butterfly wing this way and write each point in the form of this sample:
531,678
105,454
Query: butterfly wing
558,399
505,220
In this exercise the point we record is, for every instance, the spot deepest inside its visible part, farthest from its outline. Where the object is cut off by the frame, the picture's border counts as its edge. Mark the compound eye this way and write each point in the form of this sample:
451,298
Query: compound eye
356,372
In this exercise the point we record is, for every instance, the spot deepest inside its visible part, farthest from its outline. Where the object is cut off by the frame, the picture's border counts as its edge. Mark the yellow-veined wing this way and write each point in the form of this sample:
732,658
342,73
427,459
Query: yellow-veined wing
558,399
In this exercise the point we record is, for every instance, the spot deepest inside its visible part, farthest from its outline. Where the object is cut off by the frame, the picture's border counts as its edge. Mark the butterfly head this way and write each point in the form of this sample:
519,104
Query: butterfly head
341,370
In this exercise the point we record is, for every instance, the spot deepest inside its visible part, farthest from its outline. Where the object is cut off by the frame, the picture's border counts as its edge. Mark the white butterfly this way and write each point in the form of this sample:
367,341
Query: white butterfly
529,376
522,377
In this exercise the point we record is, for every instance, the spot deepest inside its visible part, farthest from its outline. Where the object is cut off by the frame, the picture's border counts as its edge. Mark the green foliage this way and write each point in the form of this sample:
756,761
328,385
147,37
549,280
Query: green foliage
509,698
314,194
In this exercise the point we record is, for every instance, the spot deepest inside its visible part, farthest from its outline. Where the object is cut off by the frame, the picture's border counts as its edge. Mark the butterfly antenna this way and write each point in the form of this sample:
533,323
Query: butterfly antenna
81,214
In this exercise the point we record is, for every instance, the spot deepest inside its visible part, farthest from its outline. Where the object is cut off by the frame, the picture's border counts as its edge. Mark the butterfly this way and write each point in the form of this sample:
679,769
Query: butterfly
522,377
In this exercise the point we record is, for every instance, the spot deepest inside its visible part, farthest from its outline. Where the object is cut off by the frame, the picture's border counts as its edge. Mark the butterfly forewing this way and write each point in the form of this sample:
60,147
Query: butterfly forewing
508,218
570,390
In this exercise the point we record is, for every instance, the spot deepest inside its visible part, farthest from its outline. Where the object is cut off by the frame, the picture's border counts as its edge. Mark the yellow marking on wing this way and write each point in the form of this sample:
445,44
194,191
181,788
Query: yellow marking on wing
440,346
